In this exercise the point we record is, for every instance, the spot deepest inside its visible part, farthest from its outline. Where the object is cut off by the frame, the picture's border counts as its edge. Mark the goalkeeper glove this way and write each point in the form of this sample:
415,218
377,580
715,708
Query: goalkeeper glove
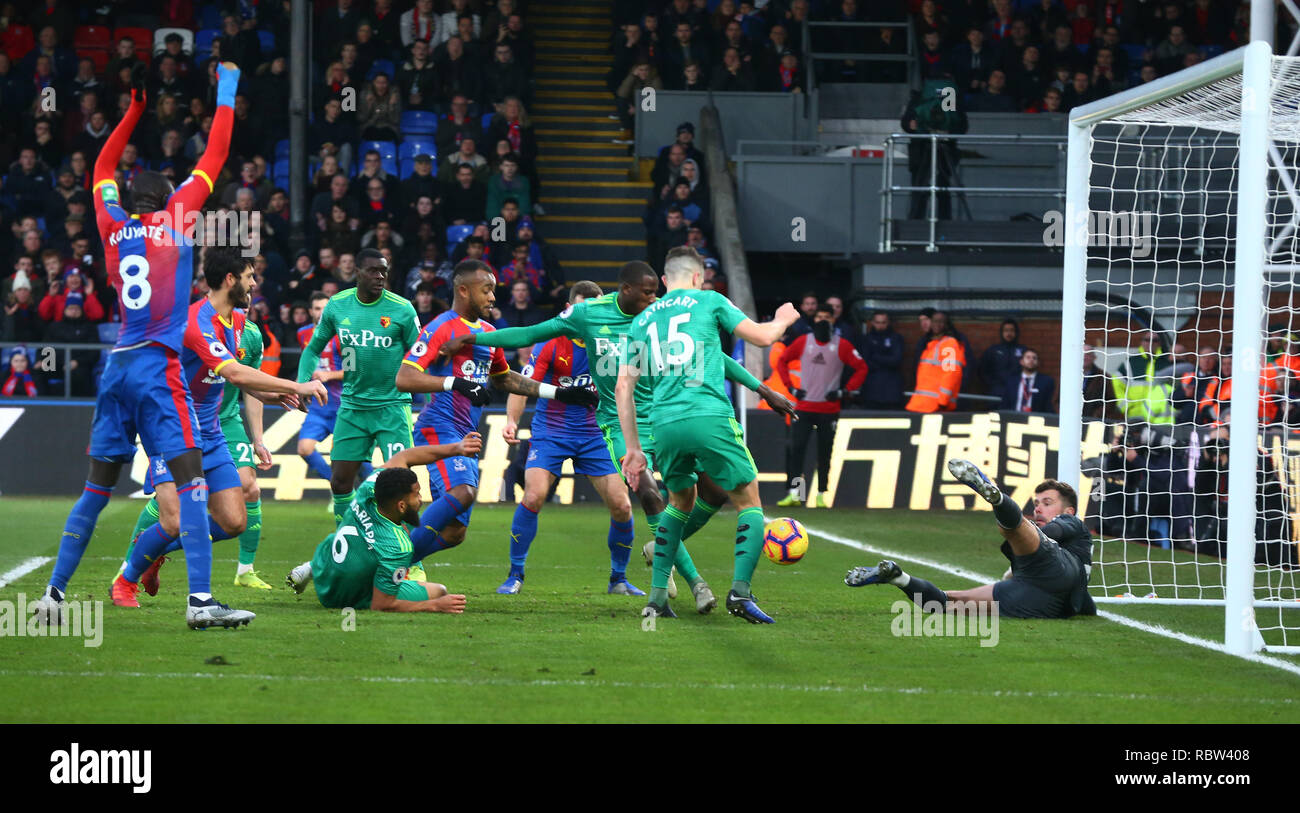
138,76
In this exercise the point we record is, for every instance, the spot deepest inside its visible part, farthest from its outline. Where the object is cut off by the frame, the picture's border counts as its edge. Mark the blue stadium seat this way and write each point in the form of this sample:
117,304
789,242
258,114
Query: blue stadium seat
108,331
419,122
282,148
1211,51
201,55
40,226
412,147
457,233
486,120
384,66
1135,53
210,16
406,168
267,40
387,149
389,164
204,37
280,172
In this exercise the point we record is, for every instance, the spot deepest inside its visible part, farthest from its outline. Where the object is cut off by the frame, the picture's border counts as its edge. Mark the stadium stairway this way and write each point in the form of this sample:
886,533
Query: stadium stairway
593,208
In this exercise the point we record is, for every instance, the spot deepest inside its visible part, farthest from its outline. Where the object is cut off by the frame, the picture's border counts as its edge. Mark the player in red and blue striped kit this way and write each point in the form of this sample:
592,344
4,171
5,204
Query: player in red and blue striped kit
453,410
149,256
560,432
214,327
319,423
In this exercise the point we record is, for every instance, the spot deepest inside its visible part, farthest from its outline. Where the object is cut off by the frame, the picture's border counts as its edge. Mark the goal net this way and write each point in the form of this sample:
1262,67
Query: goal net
1181,342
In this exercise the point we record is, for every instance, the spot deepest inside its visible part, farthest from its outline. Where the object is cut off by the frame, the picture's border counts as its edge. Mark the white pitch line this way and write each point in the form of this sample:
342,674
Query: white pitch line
1154,629
27,566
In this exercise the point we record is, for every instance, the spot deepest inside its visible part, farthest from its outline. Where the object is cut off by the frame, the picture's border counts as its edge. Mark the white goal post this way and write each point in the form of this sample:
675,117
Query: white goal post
1204,164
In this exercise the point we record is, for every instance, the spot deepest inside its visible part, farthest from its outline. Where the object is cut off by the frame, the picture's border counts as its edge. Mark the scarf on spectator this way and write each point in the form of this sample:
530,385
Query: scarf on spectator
787,79
1113,11
102,133
19,379
423,30
514,136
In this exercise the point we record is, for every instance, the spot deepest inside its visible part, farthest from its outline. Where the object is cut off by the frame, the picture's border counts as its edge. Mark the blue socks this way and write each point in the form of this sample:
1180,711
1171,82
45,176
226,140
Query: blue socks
216,531
152,543
366,470
194,534
316,462
523,530
77,531
620,549
425,539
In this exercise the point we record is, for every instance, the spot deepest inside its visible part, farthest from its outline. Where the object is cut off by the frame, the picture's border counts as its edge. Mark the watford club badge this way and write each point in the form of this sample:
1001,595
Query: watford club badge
240,353
384,321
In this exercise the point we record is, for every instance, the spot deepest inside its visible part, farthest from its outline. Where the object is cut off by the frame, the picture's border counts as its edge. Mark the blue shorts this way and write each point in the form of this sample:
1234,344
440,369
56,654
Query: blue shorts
319,424
218,469
449,472
590,456
143,393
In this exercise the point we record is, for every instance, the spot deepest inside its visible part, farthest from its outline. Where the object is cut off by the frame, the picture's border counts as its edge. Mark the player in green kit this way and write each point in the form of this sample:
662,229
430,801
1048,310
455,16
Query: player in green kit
602,324
249,455
674,343
364,563
375,328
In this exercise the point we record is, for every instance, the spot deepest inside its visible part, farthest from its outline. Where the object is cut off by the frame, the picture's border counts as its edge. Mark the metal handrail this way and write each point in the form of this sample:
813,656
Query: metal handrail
811,57
889,188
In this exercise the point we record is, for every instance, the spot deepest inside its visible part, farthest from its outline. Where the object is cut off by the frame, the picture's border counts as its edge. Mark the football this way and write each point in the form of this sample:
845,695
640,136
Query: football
785,541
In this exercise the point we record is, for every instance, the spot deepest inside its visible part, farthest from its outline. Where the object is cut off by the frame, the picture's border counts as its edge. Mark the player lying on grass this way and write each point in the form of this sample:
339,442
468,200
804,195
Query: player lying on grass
215,324
675,343
1051,557
456,384
602,324
365,563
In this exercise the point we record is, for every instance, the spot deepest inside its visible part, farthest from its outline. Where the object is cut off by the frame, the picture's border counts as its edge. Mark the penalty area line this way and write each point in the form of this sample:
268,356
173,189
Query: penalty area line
1153,629
23,568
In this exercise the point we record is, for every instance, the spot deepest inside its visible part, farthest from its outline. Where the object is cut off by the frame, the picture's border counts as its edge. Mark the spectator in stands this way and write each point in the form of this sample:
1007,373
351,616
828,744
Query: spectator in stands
1094,385
16,379
1060,52
883,352
665,236
239,44
1106,79
1000,362
22,322
1028,80
1142,394
457,71
74,328
456,126
630,48
339,233
1078,93
1050,103
520,310
383,237
28,182
507,184
995,98
427,305
417,79
260,187
939,373
63,61
329,167
337,194
124,59
1029,390
330,134
1208,22
74,285
820,395
733,75
372,169
971,62
466,153
465,201
1194,384
421,183
1171,52
789,74
934,64
632,91
380,113
421,23
513,125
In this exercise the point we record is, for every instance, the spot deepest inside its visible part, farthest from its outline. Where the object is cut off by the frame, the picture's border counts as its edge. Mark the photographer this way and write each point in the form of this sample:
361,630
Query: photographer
933,110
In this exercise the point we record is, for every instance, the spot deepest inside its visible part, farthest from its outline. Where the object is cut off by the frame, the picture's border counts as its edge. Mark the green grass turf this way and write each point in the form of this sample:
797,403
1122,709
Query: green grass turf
563,651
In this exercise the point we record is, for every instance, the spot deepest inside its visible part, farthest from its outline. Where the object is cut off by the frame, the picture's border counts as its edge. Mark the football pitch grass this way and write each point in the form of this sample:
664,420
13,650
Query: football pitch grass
564,651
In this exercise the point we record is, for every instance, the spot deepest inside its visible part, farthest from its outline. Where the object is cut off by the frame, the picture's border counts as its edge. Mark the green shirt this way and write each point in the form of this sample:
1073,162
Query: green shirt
367,551
677,348
603,327
373,340
249,354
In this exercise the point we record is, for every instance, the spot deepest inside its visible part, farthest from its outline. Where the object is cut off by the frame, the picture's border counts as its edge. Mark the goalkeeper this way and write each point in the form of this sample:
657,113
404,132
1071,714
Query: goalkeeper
1051,557
364,563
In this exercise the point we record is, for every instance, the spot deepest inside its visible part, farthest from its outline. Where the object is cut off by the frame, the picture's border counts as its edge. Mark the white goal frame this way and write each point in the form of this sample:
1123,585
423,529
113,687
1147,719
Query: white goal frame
1254,64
